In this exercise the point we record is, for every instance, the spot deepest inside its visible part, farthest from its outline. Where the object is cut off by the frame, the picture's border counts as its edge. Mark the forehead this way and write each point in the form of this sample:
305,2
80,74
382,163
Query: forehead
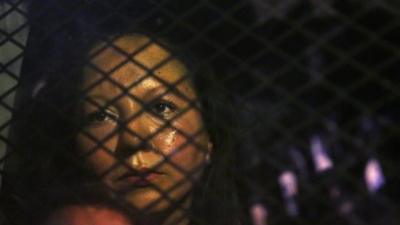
135,62
132,58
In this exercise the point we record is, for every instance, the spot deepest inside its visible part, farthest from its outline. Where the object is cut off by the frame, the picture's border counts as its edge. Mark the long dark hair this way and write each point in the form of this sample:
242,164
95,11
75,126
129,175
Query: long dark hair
47,126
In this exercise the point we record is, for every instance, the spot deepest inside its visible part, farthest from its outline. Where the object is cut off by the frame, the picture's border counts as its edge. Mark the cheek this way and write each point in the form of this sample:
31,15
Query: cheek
98,156
184,143
189,123
180,151
186,153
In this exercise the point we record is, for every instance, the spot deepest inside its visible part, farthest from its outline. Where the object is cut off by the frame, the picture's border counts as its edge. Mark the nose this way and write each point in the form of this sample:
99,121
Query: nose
132,138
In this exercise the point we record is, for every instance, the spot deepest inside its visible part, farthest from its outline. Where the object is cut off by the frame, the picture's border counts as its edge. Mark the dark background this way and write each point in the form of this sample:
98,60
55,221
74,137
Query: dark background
296,69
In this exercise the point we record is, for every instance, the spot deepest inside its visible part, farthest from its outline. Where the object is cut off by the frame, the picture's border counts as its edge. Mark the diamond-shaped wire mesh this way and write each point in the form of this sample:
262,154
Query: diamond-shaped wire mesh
199,112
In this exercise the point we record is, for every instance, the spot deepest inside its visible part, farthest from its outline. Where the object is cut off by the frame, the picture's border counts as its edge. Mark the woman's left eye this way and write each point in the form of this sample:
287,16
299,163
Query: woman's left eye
163,108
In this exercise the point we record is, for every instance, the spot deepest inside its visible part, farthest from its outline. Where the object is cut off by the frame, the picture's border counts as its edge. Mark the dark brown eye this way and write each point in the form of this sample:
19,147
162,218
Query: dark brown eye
101,116
163,108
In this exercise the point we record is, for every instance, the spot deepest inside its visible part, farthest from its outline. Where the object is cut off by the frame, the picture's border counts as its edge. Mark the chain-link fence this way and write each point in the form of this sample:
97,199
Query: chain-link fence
199,112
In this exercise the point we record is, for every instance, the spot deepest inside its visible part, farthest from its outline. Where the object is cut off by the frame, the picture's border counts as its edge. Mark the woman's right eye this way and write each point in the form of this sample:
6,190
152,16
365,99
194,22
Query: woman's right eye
100,117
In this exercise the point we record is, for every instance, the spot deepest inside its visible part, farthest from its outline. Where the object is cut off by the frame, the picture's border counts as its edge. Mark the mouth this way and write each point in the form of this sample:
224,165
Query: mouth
141,178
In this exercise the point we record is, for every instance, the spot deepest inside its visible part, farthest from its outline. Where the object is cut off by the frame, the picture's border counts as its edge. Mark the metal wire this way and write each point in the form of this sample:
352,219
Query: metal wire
299,99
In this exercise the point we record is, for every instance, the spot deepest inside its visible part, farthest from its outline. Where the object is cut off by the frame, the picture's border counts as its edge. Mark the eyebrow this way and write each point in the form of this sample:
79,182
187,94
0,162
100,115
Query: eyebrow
94,101
157,91
103,101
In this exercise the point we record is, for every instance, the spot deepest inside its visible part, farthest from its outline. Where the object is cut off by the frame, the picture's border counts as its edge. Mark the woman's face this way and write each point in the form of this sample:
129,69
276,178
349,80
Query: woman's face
141,131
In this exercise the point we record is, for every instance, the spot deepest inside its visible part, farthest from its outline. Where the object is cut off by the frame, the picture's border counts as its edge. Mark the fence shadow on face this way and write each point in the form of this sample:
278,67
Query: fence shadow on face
200,112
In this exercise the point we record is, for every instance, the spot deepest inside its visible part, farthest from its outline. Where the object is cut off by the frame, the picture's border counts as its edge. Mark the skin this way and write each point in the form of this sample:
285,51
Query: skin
93,215
172,150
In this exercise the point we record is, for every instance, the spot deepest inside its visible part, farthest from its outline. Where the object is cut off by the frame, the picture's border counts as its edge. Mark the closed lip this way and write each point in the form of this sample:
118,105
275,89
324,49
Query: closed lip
143,177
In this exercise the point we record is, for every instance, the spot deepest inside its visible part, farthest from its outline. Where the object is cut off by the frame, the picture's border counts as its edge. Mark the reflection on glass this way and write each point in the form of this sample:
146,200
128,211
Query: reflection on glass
373,175
288,183
321,159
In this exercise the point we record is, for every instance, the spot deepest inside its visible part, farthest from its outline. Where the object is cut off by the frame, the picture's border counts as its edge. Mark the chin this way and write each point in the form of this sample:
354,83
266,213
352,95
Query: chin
146,200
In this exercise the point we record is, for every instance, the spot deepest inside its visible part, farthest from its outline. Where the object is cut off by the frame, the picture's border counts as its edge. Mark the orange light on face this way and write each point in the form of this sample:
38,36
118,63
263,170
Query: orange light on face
152,141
